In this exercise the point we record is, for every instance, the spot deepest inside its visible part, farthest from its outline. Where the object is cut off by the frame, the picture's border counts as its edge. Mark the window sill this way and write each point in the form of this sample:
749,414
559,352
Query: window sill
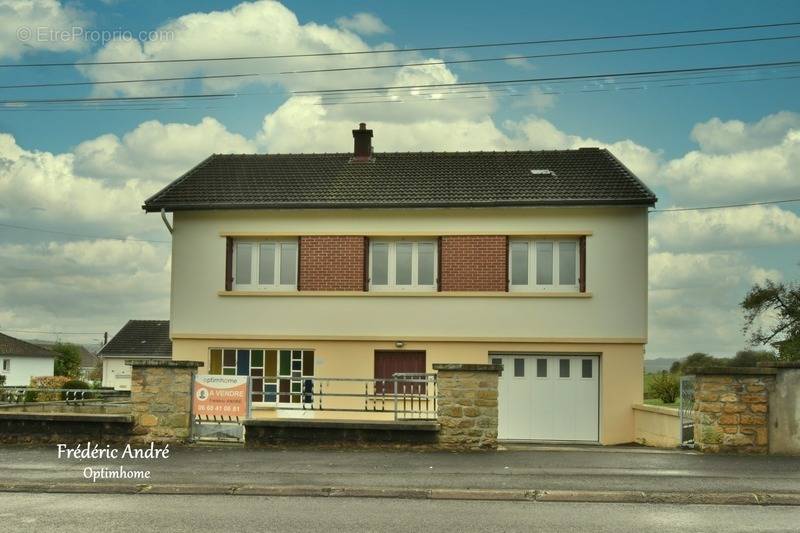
413,294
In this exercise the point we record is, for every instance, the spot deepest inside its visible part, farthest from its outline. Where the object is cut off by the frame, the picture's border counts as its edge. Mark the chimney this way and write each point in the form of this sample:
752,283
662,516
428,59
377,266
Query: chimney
362,143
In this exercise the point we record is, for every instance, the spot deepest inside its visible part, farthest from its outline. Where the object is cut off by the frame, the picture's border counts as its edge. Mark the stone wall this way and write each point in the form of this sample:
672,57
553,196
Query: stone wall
53,428
467,410
161,399
732,409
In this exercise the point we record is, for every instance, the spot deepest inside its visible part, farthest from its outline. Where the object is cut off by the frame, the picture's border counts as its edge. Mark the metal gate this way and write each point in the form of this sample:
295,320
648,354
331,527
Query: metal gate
687,411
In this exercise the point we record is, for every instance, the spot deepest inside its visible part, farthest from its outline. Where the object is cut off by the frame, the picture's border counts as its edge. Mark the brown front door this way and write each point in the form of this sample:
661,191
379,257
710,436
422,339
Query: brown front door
389,362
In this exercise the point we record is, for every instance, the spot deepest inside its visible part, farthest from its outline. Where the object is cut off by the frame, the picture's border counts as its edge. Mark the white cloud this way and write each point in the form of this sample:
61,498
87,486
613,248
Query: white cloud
47,184
104,181
718,137
82,285
739,162
363,24
694,301
156,151
724,229
36,25
256,28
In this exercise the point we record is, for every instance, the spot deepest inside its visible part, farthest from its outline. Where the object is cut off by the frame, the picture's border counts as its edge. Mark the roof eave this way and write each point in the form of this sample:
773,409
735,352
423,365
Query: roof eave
641,202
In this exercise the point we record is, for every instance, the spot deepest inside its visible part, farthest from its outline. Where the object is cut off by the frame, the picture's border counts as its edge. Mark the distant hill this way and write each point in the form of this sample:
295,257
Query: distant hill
658,364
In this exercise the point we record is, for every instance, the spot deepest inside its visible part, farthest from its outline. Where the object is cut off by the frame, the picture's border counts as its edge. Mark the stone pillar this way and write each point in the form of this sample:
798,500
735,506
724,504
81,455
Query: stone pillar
161,398
467,410
784,408
731,409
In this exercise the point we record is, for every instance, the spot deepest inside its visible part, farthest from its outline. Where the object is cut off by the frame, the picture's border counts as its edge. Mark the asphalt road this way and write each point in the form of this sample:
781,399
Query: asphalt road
540,469
104,513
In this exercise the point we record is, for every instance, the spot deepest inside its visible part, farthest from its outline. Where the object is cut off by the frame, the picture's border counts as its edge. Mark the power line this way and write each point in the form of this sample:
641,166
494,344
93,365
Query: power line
542,56
360,90
117,98
395,65
57,232
113,82
723,206
553,78
484,94
408,50
55,332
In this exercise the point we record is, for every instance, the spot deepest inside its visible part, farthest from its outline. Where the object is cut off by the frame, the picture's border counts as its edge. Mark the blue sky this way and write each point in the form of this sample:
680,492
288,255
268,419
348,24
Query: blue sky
86,172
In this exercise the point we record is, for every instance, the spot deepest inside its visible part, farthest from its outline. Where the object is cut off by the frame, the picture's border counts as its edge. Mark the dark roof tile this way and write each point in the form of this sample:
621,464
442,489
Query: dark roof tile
140,338
13,346
587,176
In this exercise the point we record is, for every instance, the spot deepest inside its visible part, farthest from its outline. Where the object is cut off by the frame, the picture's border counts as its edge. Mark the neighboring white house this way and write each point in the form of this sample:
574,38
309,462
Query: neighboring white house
20,361
138,339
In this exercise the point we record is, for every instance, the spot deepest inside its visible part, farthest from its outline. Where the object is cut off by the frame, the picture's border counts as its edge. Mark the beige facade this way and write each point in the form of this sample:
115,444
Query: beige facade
614,307
344,329
621,366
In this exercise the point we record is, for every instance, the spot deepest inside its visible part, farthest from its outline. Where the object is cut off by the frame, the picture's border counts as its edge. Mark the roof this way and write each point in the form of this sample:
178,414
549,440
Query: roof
88,359
140,338
13,346
587,176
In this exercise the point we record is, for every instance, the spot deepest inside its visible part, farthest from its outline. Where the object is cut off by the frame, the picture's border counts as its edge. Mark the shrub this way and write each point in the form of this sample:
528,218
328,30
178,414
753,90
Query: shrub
75,384
665,387
2,379
45,382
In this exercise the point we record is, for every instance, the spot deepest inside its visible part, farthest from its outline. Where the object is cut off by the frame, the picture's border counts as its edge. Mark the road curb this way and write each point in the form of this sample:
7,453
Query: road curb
540,496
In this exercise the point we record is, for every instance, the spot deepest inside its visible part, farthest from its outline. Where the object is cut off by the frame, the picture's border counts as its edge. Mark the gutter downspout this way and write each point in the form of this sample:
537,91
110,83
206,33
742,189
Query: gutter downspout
164,218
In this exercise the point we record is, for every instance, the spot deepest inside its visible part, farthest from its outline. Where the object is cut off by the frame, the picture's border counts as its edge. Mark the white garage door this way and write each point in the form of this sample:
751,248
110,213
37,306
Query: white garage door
548,397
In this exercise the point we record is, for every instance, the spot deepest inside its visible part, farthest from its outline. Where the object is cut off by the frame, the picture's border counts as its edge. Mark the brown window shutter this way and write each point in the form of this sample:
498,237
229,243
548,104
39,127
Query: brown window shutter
228,263
299,259
508,265
366,264
582,263
439,264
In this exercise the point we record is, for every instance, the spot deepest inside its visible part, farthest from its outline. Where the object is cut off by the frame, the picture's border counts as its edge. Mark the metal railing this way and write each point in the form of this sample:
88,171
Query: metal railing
408,396
34,395
687,413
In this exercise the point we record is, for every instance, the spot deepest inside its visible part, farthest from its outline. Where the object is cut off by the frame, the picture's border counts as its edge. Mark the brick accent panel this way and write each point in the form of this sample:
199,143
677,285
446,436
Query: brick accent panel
332,263
474,263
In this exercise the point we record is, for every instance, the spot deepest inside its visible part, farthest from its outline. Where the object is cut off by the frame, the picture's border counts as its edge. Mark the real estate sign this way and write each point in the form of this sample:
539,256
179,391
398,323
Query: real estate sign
220,396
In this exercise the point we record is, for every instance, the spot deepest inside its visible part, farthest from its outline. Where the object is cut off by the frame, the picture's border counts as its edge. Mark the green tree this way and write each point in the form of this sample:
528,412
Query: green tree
68,360
780,303
751,357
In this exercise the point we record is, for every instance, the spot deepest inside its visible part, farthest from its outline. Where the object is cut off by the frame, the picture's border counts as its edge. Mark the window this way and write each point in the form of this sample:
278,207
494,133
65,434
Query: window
519,368
543,265
6,365
563,368
402,265
265,265
541,368
276,375
586,368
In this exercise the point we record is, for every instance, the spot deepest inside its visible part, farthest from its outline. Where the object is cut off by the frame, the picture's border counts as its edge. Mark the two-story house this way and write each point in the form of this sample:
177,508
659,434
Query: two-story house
364,264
